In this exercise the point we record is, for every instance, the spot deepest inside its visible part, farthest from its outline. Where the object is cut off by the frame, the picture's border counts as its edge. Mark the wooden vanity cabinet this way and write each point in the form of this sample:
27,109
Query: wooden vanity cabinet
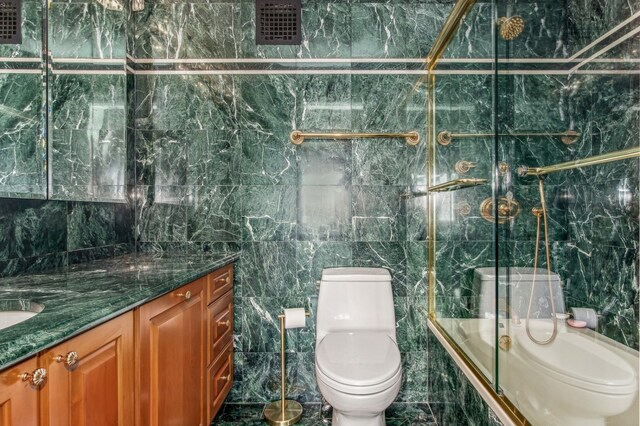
219,339
167,362
91,377
18,398
170,365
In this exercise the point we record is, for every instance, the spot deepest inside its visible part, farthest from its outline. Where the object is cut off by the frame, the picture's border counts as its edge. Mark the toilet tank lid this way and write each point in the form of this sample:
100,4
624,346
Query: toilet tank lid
356,274
516,273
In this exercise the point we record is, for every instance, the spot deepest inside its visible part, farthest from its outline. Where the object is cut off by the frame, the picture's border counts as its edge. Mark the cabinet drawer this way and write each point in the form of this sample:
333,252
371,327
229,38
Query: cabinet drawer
220,378
220,281
220,325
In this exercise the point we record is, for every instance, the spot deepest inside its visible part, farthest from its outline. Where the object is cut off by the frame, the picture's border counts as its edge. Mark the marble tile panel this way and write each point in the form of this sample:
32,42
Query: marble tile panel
87,30
326,29
324,163
324,213
380,162
214,158
214,214
268,213
90,225
267,269
378,213
268,158
32,228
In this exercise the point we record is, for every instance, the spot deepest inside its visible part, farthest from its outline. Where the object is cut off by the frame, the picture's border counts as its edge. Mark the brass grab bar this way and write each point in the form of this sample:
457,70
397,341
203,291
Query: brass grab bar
576,164
297,137
569,137
454,185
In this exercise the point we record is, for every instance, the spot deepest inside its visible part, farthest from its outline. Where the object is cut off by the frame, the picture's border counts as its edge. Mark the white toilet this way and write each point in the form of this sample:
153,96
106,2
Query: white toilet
358,366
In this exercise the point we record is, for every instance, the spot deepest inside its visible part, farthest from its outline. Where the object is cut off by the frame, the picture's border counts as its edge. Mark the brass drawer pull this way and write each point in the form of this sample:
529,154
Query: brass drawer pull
226,378
226,323
70,359
187,295
36,378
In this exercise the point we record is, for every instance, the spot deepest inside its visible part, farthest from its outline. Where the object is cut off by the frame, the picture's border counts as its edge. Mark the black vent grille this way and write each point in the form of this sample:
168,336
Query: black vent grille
10,21
278,22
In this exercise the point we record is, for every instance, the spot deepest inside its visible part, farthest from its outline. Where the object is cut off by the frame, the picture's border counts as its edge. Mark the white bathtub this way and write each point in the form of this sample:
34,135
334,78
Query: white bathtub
532,387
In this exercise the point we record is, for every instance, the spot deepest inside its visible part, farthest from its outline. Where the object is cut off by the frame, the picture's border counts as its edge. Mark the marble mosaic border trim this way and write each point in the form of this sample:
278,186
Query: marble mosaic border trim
497,408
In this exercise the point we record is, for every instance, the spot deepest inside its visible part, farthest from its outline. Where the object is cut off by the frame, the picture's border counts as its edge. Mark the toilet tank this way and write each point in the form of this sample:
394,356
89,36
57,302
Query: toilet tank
355,299
515,289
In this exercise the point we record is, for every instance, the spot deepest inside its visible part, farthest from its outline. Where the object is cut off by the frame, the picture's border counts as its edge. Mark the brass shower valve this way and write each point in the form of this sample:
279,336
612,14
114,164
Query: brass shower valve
463,167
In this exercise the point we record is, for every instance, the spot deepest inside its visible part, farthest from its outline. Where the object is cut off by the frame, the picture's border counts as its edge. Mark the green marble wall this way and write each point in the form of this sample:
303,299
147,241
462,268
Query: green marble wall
215,169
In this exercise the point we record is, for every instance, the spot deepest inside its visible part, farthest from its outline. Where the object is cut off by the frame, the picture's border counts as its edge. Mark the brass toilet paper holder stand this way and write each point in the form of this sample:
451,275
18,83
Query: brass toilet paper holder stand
286,411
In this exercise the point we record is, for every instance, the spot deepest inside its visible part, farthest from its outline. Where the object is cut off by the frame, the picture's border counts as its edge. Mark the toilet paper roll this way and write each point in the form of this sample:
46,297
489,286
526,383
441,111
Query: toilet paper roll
587,315
295,318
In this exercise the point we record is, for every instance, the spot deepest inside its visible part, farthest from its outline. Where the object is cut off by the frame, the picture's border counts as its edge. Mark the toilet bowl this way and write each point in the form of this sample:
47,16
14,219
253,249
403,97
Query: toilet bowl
358,366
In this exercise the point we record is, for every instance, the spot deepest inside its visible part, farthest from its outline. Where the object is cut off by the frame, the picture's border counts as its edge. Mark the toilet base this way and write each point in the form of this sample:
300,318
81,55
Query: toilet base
343,419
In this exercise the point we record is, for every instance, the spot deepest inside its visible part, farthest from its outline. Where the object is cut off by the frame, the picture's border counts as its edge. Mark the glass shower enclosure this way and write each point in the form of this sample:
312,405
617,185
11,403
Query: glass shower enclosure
533,220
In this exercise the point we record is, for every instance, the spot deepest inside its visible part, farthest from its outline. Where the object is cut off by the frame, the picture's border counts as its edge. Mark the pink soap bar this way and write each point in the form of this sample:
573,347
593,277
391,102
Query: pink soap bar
577,324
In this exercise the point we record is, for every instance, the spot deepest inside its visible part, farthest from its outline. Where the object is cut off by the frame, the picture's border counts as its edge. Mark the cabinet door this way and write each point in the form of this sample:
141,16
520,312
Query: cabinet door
171,357
97,387
18,398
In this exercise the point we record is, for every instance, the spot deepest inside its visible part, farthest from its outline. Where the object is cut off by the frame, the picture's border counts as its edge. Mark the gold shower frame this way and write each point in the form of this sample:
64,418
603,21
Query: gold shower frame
446,35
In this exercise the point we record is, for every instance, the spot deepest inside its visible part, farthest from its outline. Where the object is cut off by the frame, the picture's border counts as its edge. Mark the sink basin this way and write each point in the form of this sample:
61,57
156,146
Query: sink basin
14,311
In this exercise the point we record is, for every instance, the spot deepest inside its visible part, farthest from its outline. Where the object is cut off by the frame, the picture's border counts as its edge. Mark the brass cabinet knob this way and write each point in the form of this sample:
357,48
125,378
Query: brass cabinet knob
228,280
187,295
226,378
70,359
36,378
226,323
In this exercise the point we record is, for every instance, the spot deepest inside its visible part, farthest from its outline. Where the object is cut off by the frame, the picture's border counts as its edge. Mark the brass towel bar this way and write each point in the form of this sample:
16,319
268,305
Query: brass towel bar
569,137
585,162
297,137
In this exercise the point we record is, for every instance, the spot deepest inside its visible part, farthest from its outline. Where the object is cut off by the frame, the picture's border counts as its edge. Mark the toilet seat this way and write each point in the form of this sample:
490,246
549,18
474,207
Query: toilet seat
358,363
581,362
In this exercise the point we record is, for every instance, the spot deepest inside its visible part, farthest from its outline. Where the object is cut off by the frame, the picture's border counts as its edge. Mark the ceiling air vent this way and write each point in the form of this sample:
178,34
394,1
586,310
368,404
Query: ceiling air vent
278,22
10,21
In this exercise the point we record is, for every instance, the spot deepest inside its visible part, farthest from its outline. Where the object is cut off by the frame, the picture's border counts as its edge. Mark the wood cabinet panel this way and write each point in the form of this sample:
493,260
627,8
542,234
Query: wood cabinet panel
98,388
220,282
170,373
220,325
18,399
220,380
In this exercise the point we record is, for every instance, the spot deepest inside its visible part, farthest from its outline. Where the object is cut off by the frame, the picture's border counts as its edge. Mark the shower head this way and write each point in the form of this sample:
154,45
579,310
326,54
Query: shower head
511,28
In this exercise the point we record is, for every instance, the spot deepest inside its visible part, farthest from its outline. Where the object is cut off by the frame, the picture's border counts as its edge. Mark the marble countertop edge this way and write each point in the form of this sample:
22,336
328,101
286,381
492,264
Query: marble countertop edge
73,305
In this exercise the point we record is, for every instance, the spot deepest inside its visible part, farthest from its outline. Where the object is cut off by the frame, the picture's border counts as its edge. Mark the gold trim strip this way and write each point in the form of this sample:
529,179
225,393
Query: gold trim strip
577,164
448,32
297,137
568,137
454,185
512,411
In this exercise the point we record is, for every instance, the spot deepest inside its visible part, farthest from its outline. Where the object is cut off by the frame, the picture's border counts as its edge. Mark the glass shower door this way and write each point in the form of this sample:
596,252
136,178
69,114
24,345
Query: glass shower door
567,147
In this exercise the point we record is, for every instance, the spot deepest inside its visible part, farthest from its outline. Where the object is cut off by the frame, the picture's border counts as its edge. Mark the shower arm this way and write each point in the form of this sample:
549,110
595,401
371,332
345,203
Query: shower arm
577,164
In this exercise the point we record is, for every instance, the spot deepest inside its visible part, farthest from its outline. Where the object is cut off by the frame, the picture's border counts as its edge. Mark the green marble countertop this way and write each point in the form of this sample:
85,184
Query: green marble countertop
82,296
